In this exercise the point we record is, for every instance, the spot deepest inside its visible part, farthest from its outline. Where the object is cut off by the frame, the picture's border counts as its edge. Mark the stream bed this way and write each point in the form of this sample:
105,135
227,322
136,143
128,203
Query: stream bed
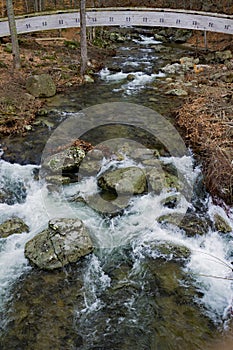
150,283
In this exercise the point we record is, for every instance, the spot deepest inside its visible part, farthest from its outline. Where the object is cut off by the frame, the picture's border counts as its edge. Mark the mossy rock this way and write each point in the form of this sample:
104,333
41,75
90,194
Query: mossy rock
170,251
66,160
58,179
73,45
190,223
130,180
64,241
12,226
8,48
221,224
41,85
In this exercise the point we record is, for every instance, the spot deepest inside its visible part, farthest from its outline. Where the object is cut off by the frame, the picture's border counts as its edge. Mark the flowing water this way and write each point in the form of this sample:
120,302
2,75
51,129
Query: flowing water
147,285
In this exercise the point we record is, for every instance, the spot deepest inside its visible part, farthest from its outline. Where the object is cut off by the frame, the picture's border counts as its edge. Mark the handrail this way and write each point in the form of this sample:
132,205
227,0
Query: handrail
129,17
106,9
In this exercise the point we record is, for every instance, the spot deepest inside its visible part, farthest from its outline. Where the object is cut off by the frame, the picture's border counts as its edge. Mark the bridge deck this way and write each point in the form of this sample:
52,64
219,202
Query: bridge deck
124,17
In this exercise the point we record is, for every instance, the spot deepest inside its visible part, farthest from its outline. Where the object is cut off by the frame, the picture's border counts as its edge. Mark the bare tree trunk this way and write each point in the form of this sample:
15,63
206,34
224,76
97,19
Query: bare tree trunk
26,6
13,33
36,5
83,37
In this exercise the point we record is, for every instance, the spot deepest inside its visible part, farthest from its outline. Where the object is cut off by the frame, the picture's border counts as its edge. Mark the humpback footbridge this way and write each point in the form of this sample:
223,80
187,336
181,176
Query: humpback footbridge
122,17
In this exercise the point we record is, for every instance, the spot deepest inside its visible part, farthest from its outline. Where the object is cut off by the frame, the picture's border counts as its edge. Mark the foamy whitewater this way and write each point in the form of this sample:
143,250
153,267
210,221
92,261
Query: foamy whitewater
139,79
211,258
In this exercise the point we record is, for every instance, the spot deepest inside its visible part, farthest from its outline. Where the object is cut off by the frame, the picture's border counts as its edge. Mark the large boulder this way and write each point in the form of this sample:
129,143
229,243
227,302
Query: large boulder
64,241
12,226
41,85
130,180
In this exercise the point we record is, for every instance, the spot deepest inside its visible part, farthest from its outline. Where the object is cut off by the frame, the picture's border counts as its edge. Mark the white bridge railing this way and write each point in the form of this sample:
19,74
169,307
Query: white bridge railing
149,17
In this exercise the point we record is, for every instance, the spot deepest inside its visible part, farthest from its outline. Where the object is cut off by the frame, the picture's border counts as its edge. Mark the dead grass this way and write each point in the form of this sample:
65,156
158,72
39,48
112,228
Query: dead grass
207,120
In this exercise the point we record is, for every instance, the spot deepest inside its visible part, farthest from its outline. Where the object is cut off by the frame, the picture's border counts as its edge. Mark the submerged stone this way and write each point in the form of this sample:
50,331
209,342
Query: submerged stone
110,208
171,251
64,241
12,191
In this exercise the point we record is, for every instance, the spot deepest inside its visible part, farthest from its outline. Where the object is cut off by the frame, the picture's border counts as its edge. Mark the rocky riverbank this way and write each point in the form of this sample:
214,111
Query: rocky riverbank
204,82
207,120
55,54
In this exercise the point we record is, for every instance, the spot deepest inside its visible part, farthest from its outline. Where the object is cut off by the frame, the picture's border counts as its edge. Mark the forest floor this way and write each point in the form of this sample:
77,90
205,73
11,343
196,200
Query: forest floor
55,55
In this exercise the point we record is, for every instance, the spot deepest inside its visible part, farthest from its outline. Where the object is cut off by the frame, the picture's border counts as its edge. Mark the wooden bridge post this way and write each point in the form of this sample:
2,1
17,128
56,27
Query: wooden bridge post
83,37
205,40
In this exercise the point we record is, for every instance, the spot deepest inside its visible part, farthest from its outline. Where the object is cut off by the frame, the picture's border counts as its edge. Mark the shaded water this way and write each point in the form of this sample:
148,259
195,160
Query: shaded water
147,285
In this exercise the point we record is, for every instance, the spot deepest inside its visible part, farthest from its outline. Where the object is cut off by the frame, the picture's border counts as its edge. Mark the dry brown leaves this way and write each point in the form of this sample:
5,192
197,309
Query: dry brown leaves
17,108
208,124
84,145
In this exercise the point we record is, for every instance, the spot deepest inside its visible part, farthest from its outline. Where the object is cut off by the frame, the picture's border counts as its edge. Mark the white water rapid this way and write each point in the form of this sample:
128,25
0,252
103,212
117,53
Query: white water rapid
211,257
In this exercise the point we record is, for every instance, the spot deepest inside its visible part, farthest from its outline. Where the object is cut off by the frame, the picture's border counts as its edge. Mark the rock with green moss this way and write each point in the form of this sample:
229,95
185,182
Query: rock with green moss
12,226
222,56
8,47
64,241
41,85
173,182
130,180
181,36
66,160
221,224
169,251
58,180
190,223
117,37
